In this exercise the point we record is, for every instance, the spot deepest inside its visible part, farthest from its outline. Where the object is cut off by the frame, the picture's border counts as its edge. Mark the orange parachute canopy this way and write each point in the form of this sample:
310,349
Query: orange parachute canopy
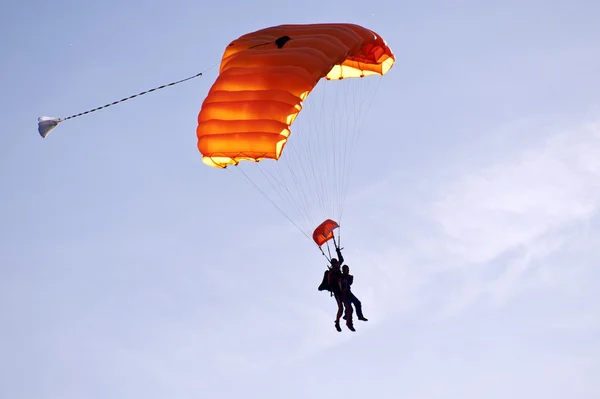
324,232
266,75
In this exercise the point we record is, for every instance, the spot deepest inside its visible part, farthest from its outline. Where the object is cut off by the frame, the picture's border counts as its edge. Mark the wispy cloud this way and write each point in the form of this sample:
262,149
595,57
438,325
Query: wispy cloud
494,220
513,212
508,204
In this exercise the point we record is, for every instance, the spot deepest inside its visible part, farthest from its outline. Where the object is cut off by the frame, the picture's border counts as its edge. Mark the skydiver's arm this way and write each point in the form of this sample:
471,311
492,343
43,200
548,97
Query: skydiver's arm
340,256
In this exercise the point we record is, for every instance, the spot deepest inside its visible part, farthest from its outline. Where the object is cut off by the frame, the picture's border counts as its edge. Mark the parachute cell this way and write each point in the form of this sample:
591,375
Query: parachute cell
266,75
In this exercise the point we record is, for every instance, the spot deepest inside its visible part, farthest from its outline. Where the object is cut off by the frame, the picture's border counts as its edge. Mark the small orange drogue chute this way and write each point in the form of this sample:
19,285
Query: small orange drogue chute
324,232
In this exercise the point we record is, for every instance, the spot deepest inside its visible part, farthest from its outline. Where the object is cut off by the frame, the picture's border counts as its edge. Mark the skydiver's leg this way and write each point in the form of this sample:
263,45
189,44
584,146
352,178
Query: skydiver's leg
347,305
358,305
338,299
349,312
349,322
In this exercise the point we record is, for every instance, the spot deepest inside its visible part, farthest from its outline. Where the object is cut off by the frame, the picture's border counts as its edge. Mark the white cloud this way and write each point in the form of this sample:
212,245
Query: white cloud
511,214
495,221
510,204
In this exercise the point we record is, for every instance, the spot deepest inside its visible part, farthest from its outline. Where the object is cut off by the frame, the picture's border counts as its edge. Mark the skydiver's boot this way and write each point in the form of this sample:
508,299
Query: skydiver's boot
349,324
337,326
347,311
359,312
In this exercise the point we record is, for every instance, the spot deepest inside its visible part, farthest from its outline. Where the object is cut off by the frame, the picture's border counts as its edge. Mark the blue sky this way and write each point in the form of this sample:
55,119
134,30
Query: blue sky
130,269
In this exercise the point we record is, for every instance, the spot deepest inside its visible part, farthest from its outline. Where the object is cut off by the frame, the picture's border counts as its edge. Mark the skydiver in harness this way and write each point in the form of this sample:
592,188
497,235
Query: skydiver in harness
332,281
347,280
332,278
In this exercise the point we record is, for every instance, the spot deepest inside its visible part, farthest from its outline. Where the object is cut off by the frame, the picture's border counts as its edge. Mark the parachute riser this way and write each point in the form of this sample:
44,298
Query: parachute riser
334,242
336,245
